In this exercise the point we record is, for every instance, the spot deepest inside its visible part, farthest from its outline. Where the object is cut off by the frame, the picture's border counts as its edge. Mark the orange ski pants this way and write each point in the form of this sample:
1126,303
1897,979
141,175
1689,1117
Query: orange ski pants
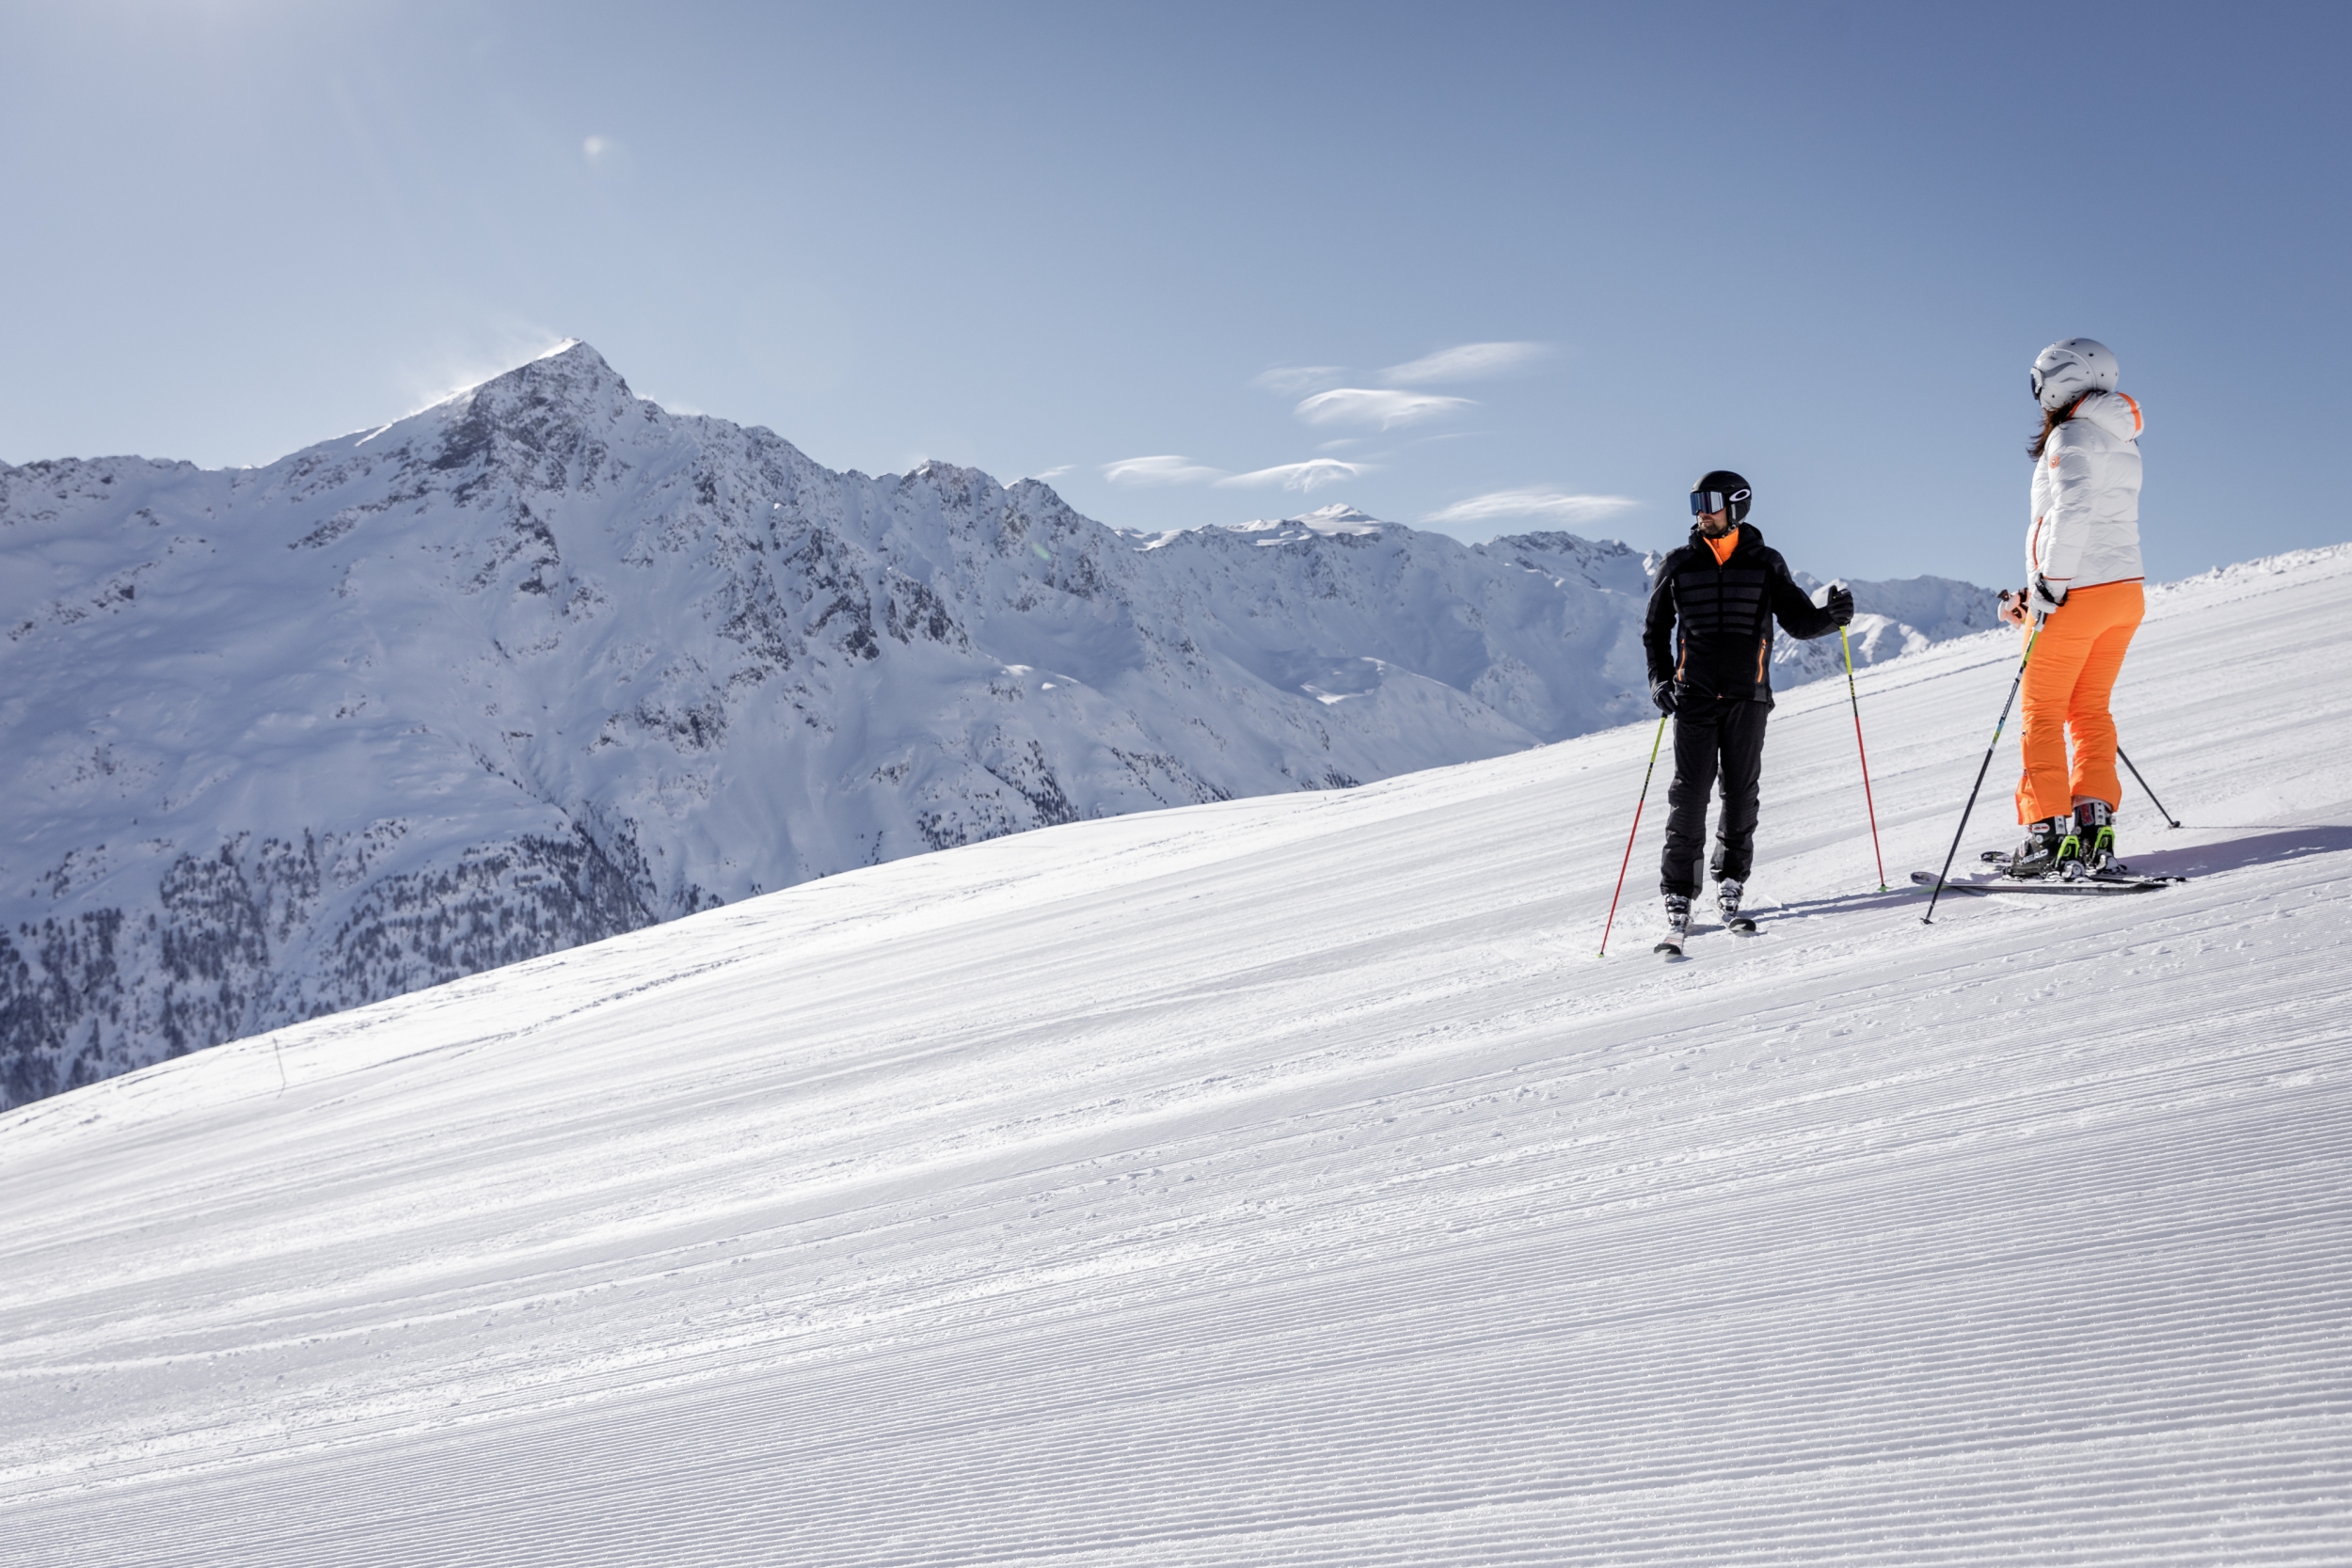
2067,682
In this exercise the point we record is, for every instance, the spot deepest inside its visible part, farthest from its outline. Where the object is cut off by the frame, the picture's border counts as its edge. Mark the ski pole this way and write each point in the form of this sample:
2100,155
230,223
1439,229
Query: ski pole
1868,803
1628,837
1928,918
2169,820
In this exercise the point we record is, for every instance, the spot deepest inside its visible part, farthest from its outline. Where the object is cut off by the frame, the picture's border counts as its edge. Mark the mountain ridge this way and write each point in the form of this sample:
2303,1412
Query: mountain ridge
543,662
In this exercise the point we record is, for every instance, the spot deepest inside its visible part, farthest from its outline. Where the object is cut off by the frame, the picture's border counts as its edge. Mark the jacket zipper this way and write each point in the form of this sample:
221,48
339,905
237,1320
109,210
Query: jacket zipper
1762,642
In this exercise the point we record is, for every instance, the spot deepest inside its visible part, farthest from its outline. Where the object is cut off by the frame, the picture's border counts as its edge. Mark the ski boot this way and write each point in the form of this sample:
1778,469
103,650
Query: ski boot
1727,896
2051,847
2094,824
1677,927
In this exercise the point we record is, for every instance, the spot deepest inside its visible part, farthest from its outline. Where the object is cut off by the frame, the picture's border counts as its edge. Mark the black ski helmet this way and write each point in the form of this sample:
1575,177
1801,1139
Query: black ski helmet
1719,490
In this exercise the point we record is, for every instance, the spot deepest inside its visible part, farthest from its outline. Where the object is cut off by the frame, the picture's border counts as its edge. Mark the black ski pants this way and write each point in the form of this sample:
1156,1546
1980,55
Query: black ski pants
1712,736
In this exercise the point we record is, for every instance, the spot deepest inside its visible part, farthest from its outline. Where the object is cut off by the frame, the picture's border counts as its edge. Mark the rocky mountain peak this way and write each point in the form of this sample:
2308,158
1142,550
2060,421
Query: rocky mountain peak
573,376
1335,521
1340,517
561,406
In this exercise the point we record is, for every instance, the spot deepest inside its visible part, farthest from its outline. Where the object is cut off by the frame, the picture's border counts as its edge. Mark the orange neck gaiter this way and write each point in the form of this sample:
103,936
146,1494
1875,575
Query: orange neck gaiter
1724,546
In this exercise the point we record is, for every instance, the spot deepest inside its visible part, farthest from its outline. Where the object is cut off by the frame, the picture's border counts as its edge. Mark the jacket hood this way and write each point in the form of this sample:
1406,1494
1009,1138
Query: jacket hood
2117,413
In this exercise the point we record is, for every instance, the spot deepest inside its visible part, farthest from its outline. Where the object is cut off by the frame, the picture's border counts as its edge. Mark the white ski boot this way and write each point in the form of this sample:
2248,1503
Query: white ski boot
1677,927
1727,896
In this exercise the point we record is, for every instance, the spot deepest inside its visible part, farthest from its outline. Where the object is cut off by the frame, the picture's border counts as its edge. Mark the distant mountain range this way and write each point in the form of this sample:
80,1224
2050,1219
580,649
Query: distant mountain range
545,662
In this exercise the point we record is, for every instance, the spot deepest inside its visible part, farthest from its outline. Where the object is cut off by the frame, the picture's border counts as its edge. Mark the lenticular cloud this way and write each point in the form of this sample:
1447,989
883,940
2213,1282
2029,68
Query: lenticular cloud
1375,407
1552,504
1304,477
1469,362
1165,470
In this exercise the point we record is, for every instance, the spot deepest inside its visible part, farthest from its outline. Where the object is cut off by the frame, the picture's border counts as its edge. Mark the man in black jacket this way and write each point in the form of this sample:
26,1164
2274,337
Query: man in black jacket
1708,637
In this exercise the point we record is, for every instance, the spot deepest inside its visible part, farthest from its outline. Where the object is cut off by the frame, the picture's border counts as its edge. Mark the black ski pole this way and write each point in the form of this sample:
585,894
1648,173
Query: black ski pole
2169,820
1928,918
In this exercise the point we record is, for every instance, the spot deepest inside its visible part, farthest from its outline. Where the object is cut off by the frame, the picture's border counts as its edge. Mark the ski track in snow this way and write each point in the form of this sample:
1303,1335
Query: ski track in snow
1286,1181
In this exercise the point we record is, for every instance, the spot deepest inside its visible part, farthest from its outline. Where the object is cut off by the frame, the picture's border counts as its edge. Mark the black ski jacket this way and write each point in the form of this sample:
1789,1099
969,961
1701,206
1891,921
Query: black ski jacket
1725,612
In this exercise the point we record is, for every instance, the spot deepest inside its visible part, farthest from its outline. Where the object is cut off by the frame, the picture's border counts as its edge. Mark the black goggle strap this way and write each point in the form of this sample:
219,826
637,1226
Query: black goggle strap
1704,501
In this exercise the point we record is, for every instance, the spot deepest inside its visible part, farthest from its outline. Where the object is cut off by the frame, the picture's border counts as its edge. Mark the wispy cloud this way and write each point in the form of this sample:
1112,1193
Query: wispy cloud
1158,470
1552,504
1290,380
1375,407
1466,362
1052,473
1303,477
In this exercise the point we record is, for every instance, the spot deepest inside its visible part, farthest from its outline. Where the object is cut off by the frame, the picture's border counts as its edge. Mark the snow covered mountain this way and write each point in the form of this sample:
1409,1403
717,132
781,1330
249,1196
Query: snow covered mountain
545,662
1285,1181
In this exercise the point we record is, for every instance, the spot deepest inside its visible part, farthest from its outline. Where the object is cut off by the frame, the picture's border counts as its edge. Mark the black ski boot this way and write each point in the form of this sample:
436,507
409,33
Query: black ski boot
2094,824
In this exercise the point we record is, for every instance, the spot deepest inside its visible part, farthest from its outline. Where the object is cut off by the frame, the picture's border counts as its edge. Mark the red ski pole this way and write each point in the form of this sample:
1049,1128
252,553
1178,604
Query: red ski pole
1868,803
1628,837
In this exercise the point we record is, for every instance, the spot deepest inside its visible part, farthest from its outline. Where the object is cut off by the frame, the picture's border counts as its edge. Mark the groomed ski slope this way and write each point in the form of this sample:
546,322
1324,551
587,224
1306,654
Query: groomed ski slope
1287,1181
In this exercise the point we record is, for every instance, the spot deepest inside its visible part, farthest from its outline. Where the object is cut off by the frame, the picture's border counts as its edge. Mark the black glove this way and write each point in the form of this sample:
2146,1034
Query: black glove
1840,603
1663,693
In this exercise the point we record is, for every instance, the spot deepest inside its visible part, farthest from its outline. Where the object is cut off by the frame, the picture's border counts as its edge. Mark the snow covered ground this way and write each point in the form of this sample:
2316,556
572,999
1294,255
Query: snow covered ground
1287,1180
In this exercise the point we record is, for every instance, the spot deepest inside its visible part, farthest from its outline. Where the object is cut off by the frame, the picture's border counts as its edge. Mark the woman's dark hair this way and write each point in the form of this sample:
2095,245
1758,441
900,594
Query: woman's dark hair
2051,420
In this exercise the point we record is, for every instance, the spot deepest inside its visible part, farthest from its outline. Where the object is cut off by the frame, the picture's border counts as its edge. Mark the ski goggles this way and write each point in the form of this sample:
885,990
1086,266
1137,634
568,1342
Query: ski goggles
1704,501
2035,376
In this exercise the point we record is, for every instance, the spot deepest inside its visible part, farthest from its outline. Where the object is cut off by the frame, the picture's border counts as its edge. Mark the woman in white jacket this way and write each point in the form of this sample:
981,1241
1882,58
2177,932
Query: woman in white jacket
2083,584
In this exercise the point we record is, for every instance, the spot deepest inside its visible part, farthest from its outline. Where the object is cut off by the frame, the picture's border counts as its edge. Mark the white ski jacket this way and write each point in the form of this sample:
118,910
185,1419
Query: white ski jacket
2086,497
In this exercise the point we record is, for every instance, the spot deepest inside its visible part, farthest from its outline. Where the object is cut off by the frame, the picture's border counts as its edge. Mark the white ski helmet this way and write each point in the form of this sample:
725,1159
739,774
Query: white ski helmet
2068,369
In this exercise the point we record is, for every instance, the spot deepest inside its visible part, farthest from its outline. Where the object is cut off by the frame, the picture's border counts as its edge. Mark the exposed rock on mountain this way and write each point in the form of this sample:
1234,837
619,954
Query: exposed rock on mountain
545,662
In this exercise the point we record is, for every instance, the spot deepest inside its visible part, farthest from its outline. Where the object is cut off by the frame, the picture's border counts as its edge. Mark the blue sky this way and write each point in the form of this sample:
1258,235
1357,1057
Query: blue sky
1207,262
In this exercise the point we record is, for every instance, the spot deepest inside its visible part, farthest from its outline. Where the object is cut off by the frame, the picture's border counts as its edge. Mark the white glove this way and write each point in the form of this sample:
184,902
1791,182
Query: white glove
2041,598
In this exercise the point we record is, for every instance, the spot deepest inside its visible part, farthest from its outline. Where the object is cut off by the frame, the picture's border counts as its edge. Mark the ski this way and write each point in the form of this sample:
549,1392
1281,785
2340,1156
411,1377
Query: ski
2102,884
1671,948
